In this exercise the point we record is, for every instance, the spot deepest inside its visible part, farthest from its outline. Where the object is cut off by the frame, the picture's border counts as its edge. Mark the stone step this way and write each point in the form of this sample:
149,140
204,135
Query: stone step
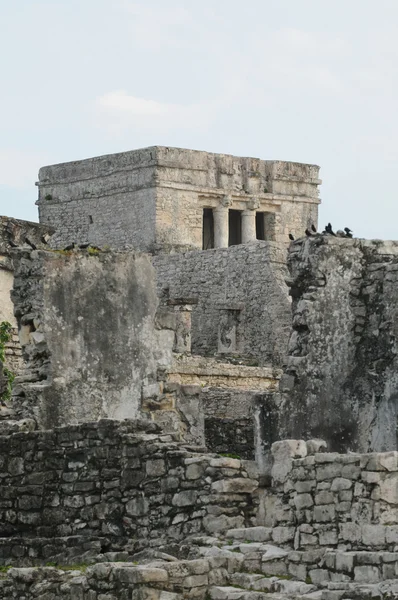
387,590
236,593
260,583
357,566
251,534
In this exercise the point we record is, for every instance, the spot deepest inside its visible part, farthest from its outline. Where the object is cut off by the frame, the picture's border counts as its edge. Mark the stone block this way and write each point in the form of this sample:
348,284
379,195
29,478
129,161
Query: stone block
137,507
367,574
324,497
316,445
140,574
253,534
185,498
303,501
194,471
282,535
373,535
392,534
382,461
222,523
283,453
328,537
389,488
345,562
328,471
340,484
225,463
155,468
319,576
237,485
195,581
304,486
324,513
371,477
308,539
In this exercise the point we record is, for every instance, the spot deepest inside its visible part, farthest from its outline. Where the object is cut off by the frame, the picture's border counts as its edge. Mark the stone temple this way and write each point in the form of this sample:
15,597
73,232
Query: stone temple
191,404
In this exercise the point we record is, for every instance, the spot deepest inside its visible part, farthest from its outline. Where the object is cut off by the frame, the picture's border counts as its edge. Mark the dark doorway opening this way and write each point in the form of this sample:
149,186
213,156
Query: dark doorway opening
269,226
260,230
207,229
235,227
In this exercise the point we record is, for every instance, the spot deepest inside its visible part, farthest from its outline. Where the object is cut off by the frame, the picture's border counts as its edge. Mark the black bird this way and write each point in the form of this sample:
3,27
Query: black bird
329,229
348,232
313,228
291,237
83,246
70,247
308,233
31,244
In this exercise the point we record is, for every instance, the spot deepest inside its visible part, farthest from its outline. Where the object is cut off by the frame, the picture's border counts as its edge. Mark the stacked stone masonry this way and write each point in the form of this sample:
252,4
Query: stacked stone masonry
154,198
340,378
355,555
114,486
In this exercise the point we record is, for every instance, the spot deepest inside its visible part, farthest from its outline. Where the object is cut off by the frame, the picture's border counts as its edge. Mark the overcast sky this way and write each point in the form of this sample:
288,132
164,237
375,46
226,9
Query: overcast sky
304,80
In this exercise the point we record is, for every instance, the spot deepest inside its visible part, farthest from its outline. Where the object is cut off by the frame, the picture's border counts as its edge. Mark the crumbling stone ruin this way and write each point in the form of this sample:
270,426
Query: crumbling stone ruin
191,405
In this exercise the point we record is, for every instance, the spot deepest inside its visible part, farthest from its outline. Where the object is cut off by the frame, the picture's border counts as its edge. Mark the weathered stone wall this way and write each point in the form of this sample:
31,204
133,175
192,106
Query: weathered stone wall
93,340
13,232
112,486
326,500
340,382
154,197
229,421
245,283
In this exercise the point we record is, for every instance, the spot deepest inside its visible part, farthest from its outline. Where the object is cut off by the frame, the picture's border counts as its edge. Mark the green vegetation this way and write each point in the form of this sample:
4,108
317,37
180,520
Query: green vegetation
5,336
5,568
48,197
229,455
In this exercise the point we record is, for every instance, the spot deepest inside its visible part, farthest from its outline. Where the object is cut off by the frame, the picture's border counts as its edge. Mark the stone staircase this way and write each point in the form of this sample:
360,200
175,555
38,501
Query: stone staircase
259,570
243,565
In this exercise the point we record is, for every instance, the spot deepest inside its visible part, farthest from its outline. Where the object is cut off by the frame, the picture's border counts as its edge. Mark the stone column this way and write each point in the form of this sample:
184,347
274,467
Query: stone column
221,222
249,221
248,226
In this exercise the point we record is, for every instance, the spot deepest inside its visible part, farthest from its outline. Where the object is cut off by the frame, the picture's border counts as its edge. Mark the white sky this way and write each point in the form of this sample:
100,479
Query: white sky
304,80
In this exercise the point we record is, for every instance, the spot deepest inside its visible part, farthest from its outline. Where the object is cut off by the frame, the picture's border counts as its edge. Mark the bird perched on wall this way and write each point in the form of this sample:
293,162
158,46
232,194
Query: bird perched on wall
329,230
291,237
308,233
348,232
313,228
71,246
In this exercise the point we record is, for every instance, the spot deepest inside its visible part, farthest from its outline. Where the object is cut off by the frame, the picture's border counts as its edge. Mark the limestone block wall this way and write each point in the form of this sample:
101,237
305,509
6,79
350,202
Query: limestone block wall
94,344
13,232
112,486
340,381
328,500
153,199
247,282
105,200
